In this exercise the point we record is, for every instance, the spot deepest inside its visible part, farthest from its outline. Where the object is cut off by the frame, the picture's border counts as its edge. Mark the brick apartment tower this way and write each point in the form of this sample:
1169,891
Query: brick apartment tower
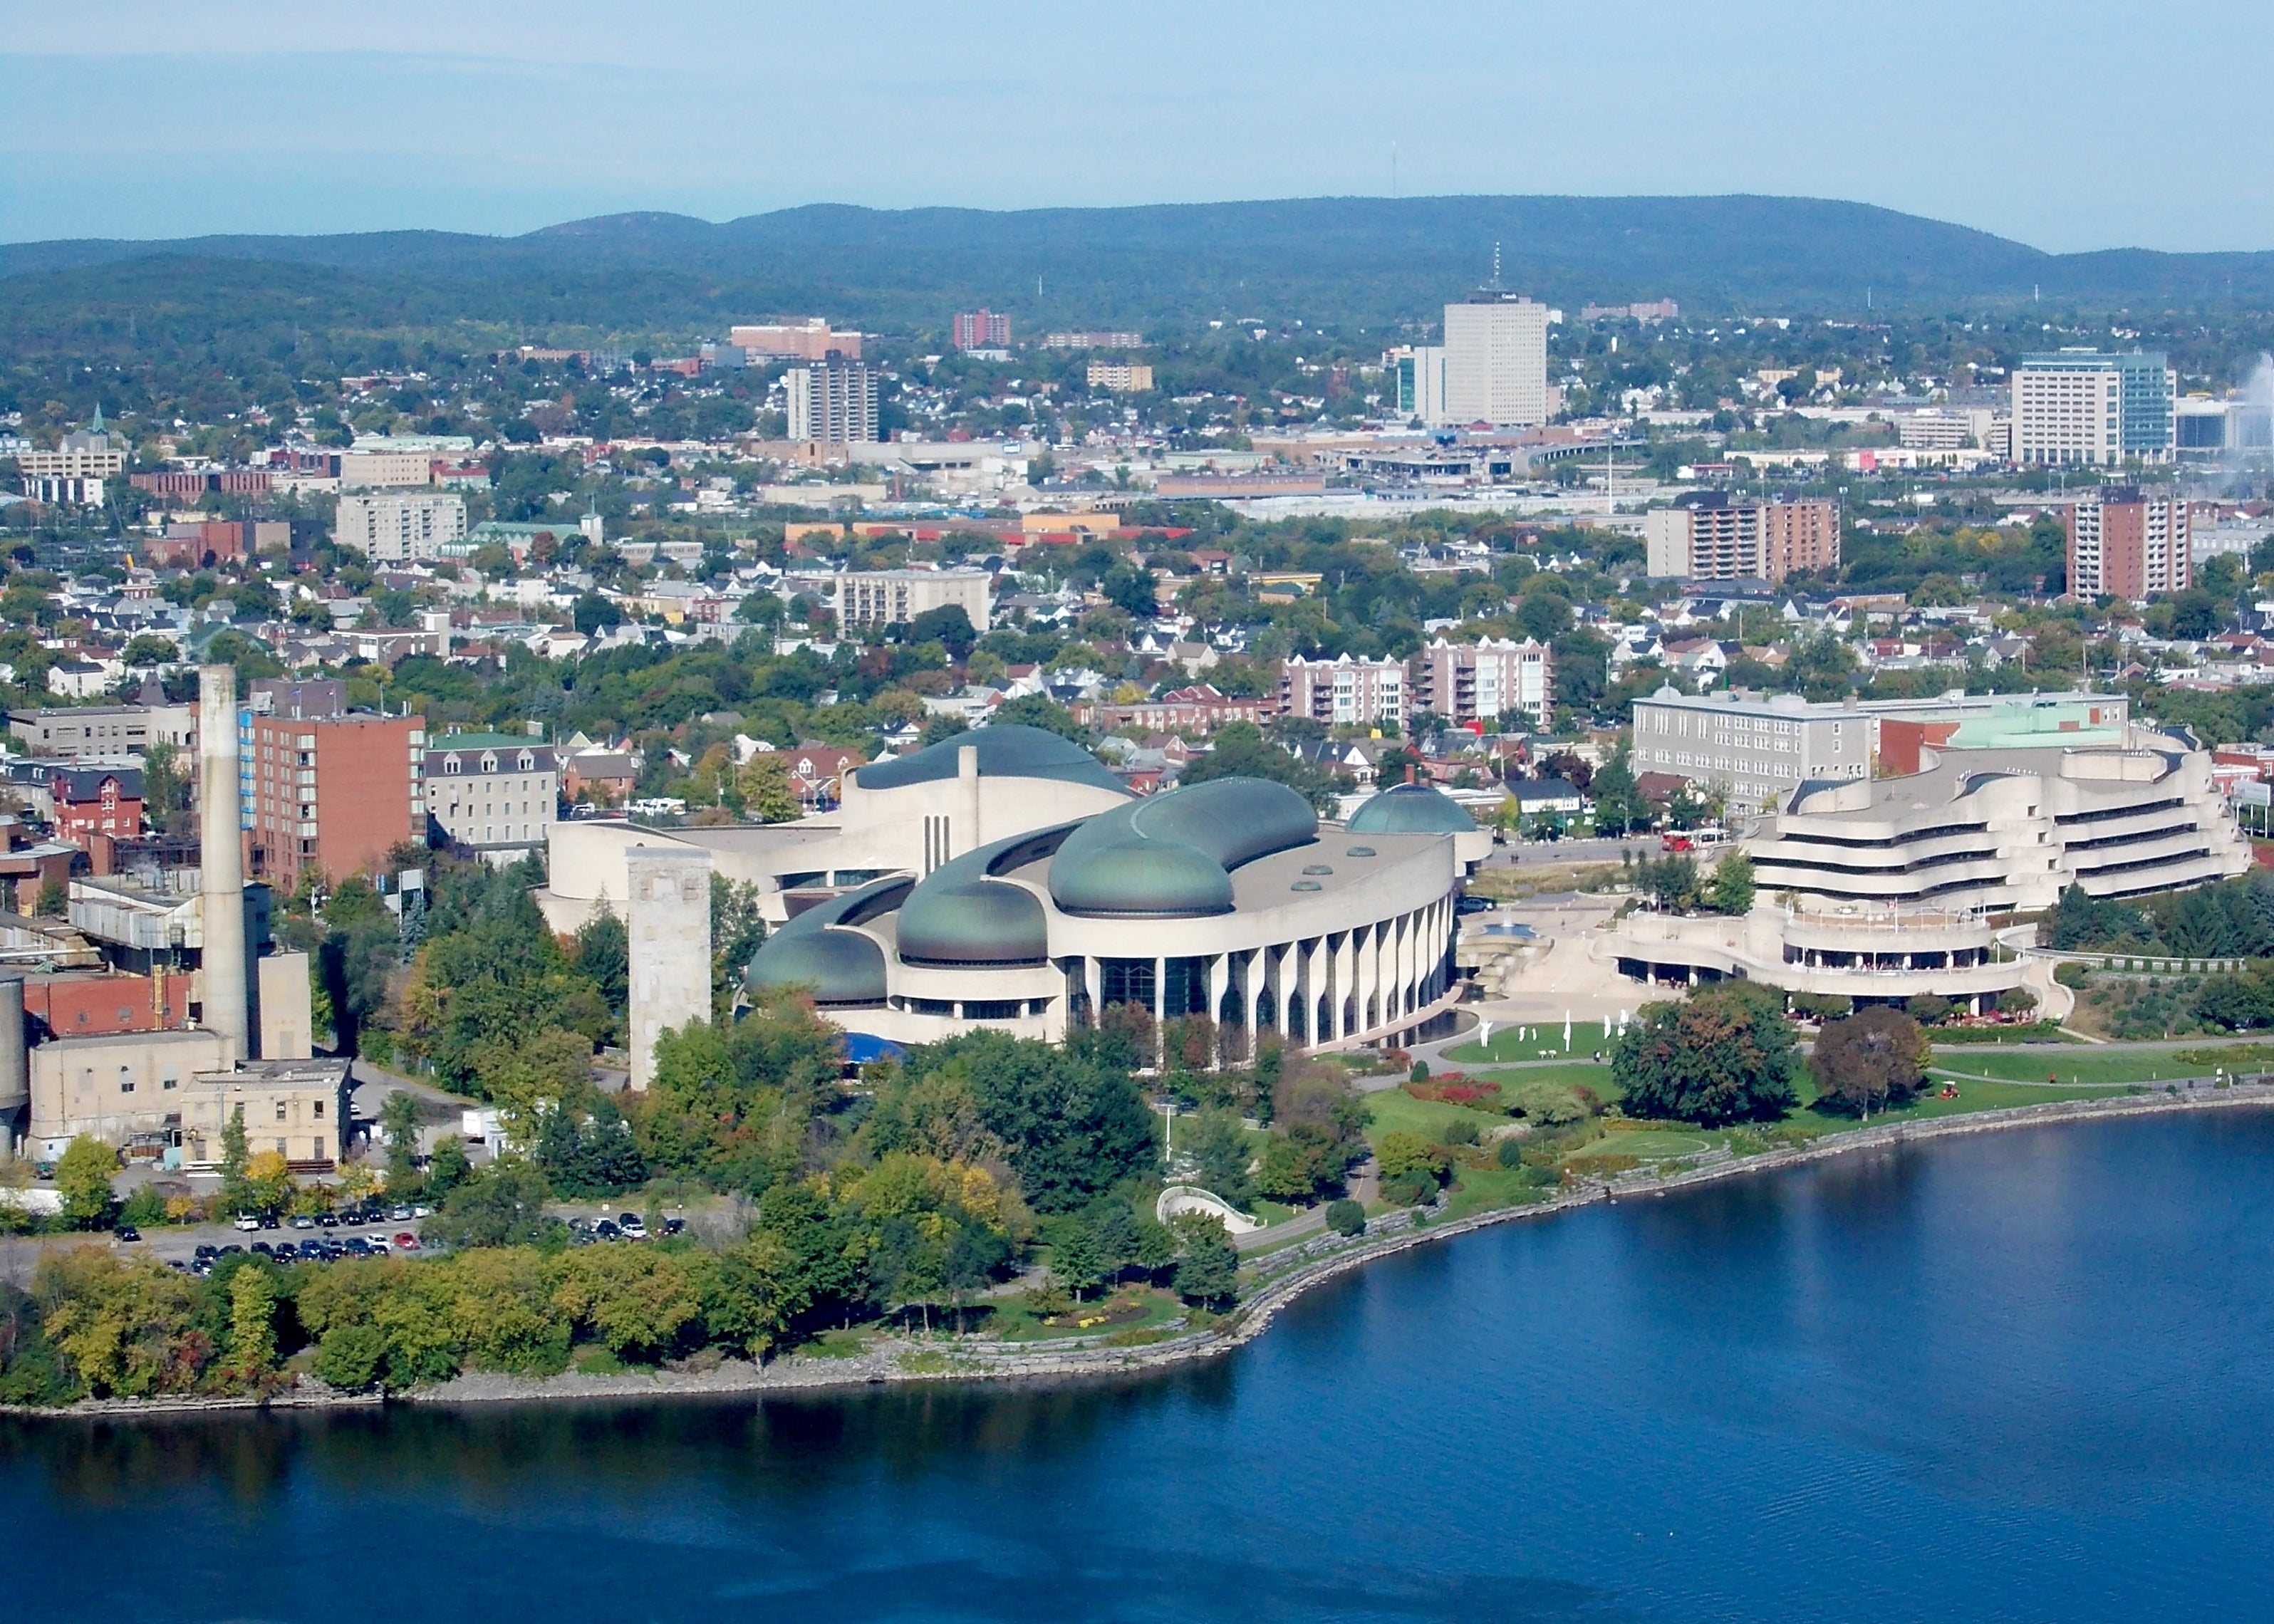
2127,544
334,795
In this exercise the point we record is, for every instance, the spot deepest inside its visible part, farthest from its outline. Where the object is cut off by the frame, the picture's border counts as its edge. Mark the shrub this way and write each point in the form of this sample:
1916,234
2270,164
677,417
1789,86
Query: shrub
1419,1073
2071,975
1460,1130
1345,1217
1510,1154
1551,1104
1402,1154
1928,1009
1410,1189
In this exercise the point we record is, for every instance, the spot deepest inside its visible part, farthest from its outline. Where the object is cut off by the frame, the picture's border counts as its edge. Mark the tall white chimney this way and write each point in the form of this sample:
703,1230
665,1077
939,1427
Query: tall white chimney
221,859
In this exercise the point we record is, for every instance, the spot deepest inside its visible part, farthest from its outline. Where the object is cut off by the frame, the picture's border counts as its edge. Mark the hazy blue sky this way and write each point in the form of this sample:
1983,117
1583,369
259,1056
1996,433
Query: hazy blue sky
2069,126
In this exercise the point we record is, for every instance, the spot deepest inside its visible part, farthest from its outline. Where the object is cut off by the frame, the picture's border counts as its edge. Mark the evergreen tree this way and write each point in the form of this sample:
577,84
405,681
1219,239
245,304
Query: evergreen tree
1733,884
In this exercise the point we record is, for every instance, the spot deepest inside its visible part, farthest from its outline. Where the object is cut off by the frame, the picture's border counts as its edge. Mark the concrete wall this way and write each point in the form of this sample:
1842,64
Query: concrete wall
287,1008
669,923
114,1088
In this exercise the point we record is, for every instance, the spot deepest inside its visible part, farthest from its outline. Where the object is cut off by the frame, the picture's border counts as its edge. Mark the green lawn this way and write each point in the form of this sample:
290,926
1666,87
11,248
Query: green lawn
1543,1042
1653,1144
1570,1074
2082,1067
1393,1110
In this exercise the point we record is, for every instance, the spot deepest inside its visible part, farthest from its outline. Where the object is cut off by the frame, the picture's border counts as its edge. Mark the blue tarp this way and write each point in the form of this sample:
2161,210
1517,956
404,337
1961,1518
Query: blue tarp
861,1048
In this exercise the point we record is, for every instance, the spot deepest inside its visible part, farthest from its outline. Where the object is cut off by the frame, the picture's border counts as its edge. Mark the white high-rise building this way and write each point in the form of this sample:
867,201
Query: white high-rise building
2083,406
1496,361
393,529
833,400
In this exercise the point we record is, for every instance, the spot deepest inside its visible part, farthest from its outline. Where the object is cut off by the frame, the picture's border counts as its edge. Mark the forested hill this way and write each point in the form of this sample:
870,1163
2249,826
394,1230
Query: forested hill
1339,262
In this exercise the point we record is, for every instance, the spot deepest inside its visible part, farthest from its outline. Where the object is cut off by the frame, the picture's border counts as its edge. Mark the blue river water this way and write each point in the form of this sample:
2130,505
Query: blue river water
2025,1376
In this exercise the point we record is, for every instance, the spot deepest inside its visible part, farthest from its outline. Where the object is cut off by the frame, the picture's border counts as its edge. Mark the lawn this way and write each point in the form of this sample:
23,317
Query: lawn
1570,1074
1526,1042
1393,1110
2085,1067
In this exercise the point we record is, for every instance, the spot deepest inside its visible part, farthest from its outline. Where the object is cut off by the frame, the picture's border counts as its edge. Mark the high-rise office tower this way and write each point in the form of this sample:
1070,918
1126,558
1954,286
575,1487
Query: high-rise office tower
2084,406
1496,361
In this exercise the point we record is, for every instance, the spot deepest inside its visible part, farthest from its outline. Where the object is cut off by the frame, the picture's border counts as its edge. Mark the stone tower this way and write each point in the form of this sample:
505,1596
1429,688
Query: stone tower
669,923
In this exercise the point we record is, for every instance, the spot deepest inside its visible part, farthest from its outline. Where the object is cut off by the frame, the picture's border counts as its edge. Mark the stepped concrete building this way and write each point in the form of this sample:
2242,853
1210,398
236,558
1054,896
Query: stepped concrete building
1885,889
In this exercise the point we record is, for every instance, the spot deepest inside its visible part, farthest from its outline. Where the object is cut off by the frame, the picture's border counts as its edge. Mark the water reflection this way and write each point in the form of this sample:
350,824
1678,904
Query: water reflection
2015,1376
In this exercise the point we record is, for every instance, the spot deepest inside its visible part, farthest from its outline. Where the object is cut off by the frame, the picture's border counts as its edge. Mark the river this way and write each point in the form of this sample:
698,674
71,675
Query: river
2021,1376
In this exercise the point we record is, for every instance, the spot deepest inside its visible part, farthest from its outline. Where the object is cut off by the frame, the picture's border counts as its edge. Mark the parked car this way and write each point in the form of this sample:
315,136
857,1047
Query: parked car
406,1242
420,1209
358,1245
606,1229
674,1226
205,1249
377,1244
1474,904
634,1228
301,1221
400,1212
127,1232
328,1221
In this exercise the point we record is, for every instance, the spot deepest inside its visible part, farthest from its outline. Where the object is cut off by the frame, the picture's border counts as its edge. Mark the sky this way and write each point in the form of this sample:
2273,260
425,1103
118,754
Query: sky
2075,125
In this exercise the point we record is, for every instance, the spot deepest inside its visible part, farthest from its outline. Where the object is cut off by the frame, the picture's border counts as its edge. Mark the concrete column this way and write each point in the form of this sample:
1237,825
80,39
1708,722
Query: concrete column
221,864
1219,980
669,923
968,838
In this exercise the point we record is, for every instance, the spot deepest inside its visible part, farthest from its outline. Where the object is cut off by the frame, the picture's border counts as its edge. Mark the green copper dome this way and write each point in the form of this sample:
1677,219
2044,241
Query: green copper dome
1009,751
1172,855
837,966
1411,809
960,914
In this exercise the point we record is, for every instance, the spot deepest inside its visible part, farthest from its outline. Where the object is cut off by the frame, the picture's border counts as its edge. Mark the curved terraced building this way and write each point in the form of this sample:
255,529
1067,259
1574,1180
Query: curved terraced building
1885,889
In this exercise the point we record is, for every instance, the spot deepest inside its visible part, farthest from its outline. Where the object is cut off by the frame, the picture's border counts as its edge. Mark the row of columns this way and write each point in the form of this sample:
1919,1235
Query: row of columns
1370,977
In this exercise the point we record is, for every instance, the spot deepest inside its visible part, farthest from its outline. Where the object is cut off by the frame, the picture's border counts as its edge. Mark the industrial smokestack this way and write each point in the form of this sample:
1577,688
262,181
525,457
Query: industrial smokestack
221,859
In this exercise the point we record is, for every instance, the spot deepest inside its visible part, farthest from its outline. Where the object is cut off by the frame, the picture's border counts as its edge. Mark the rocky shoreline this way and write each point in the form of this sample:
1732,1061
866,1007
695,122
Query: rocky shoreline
892,1362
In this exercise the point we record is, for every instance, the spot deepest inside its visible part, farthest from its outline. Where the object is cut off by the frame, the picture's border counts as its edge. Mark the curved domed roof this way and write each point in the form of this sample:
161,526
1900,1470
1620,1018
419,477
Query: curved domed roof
1006,751
1411,810
840,966
1143,877
961,915
972,920
1172,855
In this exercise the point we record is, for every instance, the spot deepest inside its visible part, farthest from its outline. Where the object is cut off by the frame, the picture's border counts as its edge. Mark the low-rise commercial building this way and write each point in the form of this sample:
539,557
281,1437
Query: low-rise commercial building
103,732
1753,748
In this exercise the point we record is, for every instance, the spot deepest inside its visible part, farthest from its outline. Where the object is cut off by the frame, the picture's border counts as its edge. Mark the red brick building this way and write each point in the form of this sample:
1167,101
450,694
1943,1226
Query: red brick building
97,800
333,795
91,1004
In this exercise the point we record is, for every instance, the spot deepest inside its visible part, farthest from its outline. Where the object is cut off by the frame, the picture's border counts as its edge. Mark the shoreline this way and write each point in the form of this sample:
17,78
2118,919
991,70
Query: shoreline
901,1362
